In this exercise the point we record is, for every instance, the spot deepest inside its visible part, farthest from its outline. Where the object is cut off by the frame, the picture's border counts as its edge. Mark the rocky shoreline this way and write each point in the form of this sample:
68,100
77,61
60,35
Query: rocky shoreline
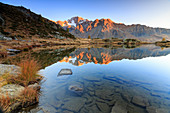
15,92
163,43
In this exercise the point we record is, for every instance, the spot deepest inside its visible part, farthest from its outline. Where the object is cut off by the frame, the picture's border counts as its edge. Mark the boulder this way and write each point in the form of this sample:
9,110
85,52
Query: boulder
35,86
11,90
10,69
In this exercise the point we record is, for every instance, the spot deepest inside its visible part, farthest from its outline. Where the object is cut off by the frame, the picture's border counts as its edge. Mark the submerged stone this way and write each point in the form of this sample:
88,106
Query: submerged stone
65,72
92,78
126,97
74,104
103,107
93,109
119,107
140,101
152,109
75,88
105,94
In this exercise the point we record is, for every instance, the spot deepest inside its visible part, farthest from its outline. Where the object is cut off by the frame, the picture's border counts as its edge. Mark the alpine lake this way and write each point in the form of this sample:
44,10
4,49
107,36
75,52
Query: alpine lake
105,80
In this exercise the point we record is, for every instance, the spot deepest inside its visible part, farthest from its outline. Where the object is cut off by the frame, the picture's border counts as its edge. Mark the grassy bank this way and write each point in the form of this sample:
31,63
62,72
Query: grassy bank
31,44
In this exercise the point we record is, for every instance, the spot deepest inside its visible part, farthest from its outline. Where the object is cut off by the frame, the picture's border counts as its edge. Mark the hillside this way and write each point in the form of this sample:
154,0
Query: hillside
106,28
19,22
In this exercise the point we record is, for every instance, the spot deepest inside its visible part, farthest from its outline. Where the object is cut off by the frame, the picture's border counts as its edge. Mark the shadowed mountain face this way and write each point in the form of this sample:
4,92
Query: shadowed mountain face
106,28
105,55
19,22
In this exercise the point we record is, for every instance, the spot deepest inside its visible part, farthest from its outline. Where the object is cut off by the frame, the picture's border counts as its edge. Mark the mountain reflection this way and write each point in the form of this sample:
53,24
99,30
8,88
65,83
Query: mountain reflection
83,56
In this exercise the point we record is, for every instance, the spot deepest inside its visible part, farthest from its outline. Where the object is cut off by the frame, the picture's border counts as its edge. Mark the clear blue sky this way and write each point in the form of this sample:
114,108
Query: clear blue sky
154,13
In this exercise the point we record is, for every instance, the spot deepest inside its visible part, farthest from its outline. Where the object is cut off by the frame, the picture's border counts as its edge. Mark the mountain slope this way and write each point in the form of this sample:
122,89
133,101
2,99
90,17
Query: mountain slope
19,22
106,28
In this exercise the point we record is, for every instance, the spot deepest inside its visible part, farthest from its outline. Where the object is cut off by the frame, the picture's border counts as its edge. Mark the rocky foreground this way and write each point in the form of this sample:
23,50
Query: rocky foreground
15,93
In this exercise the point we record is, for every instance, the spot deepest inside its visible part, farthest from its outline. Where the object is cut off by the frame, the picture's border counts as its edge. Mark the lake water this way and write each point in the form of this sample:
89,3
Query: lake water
116,80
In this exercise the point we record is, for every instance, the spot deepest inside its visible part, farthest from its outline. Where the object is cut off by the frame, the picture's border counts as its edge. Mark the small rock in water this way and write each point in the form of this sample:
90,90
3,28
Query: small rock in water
65,72
75,88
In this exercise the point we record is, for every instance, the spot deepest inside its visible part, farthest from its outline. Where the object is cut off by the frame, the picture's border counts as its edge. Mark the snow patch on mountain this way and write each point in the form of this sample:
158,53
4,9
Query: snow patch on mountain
72,23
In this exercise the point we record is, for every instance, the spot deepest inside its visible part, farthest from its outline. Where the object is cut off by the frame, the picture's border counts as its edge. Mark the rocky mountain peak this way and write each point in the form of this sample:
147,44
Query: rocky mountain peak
73,22
106,28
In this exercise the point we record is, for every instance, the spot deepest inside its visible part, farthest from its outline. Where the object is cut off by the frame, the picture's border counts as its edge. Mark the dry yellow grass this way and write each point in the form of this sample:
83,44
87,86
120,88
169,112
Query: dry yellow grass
29,72
27,96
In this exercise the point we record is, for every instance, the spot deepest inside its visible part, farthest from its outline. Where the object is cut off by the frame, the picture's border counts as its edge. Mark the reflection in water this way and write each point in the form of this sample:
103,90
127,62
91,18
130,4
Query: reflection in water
105,56
133,81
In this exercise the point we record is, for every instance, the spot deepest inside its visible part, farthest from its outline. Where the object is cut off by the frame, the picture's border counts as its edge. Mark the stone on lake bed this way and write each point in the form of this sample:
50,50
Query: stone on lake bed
140,101
65,72
119,107
103,107
92,78
74,104
152,109
75,88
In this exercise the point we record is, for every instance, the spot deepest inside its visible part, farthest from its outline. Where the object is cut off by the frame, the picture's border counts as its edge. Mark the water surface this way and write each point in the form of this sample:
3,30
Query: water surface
128,80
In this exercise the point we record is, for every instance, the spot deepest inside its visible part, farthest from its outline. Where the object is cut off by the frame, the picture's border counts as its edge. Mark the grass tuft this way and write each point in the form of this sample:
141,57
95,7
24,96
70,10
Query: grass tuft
29,73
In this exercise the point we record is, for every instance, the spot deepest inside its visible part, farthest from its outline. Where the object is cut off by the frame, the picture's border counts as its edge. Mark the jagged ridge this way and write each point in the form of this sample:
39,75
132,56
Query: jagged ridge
106,28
